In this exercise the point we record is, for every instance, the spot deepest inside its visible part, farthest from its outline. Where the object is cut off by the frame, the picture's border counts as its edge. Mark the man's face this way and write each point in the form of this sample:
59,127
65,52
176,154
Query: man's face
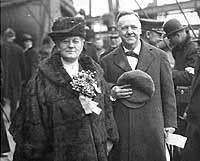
98,42
115,41
129,29
175,39
154,38
70,48
28,44
46,48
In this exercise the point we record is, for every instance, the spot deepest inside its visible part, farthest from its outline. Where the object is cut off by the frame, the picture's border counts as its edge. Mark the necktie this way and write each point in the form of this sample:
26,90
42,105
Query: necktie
131,53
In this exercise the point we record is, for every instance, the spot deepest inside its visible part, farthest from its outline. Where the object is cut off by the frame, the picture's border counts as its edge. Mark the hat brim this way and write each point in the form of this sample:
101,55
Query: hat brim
142,85
76,30
173,32
158,31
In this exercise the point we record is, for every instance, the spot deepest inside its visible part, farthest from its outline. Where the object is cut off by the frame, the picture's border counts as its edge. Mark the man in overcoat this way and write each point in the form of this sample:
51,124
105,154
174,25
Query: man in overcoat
152,31
30,55
192,147
185,54
14,70
141,129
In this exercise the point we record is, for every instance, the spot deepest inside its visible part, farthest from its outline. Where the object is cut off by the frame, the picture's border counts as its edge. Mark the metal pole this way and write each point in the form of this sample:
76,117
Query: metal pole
186,18
34,17
90,8
47,10
141,9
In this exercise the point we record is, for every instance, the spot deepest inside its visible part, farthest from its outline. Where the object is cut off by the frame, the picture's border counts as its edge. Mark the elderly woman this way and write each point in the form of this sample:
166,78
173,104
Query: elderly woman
59,119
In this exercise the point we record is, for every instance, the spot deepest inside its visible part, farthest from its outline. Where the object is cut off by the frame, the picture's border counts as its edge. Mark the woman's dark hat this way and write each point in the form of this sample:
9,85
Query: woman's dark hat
172,26
65,27
142,85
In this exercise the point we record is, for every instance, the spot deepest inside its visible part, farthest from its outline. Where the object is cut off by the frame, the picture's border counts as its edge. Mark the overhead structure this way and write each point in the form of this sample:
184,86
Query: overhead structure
154,9
33,16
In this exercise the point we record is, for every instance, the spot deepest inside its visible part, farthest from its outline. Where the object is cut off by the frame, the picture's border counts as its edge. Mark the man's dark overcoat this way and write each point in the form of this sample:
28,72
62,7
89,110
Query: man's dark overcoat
31,62
185,56
51,125
192,147
141,129
14,69
14,73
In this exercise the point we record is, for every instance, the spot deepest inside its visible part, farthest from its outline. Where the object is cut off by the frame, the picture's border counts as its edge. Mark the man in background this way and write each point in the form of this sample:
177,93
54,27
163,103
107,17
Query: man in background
31,56
192,147
185,54
114,40
14,70
152,31
46,48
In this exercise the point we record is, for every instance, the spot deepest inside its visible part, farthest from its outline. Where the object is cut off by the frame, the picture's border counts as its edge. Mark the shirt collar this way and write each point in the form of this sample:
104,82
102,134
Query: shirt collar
136,50
74,64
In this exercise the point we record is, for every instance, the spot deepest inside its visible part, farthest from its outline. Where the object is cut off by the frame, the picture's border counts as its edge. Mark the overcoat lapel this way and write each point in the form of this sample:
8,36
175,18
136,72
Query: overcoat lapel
146,57
120,59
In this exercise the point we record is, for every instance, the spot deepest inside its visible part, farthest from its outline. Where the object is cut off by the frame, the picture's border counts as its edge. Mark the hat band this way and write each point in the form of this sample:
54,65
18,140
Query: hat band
67,30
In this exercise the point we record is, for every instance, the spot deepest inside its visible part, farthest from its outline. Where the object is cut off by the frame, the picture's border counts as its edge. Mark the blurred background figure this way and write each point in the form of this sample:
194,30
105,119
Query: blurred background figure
152,31
99,44
46,48
89,47
192,147
166,46
5,147
114,40
185,53
27,42
31,56
14,71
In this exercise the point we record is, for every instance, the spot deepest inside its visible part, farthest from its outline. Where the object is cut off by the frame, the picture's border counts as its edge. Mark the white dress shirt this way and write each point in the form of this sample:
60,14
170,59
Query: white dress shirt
132,60
72,68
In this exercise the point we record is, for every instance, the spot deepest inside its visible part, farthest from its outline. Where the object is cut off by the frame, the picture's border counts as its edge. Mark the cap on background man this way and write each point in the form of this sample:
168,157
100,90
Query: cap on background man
114,37
114,40
172,26
152,30
113,32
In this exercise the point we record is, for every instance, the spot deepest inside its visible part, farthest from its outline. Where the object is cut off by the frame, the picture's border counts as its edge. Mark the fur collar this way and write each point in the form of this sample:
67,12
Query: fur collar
53,70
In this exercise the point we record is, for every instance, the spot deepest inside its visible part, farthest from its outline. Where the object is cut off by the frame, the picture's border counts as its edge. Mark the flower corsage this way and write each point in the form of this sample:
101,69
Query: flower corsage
86,84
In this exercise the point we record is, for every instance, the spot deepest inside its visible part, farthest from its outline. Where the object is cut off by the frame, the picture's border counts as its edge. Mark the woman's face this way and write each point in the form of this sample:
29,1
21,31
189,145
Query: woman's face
70,48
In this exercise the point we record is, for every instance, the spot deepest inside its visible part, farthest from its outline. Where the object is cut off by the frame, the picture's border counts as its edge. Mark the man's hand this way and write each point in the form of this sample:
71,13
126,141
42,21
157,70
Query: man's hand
168,130
124,91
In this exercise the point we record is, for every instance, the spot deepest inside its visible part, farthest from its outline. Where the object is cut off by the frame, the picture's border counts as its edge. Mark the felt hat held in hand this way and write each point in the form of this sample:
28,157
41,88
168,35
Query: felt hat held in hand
142,85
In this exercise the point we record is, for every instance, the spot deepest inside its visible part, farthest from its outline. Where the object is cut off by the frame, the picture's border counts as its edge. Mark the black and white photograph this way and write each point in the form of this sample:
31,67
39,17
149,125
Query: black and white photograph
100,80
